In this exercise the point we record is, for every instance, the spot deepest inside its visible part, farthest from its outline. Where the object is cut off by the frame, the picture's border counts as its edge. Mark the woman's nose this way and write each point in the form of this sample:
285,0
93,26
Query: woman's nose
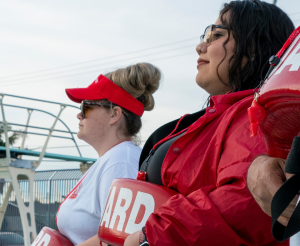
79,116
201,48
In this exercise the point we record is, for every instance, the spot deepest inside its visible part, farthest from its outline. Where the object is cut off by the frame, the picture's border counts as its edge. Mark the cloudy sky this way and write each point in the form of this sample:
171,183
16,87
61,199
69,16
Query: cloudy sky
47,46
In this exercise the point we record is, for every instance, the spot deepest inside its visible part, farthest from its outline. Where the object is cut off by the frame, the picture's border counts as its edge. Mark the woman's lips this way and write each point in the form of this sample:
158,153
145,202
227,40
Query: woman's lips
201,62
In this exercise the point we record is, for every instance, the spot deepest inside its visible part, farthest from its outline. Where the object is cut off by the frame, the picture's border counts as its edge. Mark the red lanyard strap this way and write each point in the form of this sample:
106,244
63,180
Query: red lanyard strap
274,60
287,44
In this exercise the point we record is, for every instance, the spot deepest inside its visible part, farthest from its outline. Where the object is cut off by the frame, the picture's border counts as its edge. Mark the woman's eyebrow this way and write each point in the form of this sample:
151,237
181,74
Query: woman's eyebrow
220,29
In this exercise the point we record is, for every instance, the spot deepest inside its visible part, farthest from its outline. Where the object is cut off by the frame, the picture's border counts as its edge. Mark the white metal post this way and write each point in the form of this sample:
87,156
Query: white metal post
26,212
5,203
27,123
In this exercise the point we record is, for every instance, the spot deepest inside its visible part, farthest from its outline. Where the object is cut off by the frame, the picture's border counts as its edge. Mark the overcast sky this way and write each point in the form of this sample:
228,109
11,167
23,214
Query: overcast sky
47,46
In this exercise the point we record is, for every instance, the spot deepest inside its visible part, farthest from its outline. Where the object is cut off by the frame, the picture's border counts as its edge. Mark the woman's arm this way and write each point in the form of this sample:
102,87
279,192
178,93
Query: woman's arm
93,241
133,239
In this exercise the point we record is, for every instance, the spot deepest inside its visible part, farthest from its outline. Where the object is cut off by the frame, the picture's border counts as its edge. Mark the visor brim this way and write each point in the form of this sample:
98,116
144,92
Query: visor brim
79,94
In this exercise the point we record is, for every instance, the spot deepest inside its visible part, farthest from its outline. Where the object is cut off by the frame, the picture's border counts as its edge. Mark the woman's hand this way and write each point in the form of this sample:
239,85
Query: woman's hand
133,239
264,178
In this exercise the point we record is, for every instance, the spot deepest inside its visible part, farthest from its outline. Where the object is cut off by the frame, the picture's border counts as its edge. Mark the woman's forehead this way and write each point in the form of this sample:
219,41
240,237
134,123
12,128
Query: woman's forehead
225,19
218,21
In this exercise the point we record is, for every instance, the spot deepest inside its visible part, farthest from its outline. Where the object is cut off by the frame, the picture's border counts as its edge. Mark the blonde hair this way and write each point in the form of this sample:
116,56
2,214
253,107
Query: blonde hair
140,81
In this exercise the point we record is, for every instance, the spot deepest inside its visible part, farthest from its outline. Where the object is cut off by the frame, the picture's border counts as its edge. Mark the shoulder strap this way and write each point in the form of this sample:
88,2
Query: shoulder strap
286,194
166,129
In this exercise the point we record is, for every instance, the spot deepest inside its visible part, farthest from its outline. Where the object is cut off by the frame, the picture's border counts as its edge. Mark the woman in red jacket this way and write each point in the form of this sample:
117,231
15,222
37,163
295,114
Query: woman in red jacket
207,158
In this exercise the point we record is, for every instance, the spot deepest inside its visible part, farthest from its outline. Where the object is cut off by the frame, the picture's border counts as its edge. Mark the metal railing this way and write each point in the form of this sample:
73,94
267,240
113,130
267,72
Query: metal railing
24,194
30,111
50,188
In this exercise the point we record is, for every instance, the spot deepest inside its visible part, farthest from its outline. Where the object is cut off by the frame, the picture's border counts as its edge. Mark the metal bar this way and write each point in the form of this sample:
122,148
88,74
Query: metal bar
41,128
7,159
26,127
76,146
63,179
62,107
49,201
14,106
40,134
274,2
61,170
39,100
49,155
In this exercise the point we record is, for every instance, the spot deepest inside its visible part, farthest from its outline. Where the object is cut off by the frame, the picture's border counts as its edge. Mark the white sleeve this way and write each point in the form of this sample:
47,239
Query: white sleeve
118,170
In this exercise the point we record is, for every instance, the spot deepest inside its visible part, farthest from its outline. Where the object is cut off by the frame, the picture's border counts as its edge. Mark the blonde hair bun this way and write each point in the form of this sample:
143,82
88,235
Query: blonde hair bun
140,81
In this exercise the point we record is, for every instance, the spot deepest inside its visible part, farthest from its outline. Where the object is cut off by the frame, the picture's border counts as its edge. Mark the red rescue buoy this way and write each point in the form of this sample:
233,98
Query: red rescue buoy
50,237
128,206
280,98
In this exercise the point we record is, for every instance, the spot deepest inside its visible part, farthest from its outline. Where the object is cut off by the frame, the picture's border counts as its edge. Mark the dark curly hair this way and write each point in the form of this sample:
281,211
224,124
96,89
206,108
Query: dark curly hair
260,29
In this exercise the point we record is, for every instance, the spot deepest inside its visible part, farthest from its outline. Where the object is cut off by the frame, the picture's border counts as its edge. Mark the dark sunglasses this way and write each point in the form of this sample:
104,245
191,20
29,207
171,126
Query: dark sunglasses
83,107
209,32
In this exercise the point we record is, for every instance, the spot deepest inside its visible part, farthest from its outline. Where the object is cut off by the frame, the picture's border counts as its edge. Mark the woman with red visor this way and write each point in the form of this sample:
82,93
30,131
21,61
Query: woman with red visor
110,118
207,158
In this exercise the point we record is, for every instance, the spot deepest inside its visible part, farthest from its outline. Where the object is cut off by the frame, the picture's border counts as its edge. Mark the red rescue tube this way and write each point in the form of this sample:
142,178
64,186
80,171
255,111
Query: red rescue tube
280,97
50,237
128,206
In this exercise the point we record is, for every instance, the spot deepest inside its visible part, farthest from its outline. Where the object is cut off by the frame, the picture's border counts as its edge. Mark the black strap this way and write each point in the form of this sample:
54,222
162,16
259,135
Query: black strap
166,129
286,194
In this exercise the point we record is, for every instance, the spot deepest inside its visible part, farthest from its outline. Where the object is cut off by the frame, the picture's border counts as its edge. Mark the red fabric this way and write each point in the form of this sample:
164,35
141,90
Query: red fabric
215,206
103,88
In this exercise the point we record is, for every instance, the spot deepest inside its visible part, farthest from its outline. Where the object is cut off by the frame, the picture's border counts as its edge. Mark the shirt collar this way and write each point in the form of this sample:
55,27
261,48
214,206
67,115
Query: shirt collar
231,97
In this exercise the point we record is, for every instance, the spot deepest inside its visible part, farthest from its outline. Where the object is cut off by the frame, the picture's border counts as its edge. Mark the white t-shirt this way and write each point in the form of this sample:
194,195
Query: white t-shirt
79,215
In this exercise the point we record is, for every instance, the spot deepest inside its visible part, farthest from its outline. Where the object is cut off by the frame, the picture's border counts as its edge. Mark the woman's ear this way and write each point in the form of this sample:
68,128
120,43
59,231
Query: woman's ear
116,113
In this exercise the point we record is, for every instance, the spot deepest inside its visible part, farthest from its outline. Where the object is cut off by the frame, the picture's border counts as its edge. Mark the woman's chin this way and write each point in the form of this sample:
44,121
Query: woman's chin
79,135
202,84
201,80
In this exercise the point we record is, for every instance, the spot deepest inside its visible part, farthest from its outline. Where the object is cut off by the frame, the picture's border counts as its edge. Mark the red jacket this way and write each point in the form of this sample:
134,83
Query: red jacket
208,167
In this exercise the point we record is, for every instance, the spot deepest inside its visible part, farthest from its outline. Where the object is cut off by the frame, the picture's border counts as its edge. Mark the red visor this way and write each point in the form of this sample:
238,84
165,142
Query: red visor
103,88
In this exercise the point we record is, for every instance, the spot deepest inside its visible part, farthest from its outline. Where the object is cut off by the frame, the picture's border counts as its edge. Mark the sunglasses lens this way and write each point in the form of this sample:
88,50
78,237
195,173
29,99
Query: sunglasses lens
201,39
82,108
207,35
